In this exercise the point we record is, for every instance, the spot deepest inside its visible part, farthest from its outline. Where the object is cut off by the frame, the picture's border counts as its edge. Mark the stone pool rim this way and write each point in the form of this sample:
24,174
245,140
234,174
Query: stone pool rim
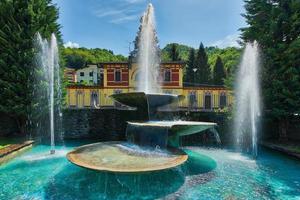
181,158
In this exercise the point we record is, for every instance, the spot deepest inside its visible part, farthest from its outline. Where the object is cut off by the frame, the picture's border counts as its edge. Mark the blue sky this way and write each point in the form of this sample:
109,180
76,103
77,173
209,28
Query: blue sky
112,24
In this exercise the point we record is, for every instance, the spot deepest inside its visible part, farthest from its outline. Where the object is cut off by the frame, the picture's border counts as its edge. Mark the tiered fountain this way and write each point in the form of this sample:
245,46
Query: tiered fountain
152,145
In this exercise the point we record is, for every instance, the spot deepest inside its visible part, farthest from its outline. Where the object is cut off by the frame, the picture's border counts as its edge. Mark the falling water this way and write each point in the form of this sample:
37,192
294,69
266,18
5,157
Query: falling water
148,54
247,93
48,59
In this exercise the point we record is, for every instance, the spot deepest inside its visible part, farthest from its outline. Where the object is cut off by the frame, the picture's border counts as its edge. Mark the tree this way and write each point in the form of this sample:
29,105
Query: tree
134,54
276,26
19,22
203,70
79,57
189,78
219,72
173,53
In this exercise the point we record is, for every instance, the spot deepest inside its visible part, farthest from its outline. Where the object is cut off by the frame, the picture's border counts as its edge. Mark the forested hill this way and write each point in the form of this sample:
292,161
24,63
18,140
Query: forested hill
78,57
230,55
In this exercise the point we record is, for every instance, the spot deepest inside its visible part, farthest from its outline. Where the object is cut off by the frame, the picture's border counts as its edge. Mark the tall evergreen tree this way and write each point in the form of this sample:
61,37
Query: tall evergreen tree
219,72
19,22
276,26
173,53
189,78
134,53
203,72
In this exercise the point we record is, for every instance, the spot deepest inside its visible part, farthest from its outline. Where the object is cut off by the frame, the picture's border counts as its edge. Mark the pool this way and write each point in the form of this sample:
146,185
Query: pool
208,174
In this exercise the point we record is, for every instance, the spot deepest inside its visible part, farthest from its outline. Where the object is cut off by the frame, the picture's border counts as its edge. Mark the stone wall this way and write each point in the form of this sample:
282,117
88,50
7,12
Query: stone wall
8,125
104,124
110,124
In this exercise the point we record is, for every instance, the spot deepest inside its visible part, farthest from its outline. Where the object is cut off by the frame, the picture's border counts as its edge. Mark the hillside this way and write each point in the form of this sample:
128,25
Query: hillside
230,56
78,57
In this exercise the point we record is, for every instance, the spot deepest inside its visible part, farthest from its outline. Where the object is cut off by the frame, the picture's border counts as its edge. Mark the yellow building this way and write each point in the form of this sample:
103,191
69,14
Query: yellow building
120,77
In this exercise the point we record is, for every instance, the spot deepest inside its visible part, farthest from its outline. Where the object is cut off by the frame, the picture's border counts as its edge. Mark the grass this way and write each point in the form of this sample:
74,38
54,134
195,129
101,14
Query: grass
3,146
5,142
294,149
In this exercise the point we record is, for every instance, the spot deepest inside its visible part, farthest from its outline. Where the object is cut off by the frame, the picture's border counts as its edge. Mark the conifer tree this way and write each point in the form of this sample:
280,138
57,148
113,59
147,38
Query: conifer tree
276,26
173,53
219,72
189,78
203,72
19,22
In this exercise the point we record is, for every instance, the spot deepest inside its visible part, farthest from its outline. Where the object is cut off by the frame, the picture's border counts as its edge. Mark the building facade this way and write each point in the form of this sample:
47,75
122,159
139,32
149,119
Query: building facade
121,77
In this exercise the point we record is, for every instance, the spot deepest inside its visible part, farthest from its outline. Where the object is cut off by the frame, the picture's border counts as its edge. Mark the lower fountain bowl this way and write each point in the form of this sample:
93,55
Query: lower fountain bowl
123,157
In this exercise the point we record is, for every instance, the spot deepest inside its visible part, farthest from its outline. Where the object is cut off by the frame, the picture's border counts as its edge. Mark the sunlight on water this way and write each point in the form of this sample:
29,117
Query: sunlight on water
208,174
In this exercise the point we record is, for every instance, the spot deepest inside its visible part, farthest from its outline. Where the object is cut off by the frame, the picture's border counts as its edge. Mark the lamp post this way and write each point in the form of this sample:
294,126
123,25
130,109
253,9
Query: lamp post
194,70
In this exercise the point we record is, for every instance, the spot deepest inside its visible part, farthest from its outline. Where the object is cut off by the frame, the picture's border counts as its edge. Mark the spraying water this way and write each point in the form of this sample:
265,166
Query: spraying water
148,54
48,59
247,93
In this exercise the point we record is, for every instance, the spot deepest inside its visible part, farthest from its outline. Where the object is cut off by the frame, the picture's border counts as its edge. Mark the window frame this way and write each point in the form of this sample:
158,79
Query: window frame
222,94
115,76
170,75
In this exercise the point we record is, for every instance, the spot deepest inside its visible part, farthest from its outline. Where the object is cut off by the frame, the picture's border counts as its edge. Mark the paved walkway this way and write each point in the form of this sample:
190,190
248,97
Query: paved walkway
12,148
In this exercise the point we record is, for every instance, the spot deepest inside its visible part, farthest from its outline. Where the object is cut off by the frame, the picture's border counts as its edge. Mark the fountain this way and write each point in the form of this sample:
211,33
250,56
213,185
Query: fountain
148,54
48,59
151,144
248,98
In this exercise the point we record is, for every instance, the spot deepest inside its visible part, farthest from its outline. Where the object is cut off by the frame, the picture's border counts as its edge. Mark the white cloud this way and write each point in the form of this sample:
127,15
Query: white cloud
71,45
228,41
135,1
121,11
107,13
124,19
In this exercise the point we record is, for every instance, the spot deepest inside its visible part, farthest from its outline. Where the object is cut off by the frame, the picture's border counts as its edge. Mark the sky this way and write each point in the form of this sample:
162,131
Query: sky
112,24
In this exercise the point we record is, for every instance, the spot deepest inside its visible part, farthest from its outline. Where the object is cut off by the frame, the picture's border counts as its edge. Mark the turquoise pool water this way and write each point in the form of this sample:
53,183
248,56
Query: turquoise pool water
208,174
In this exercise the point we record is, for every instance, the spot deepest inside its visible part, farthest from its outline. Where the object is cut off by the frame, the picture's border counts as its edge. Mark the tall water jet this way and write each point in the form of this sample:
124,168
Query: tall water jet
247,94
49,61
148,54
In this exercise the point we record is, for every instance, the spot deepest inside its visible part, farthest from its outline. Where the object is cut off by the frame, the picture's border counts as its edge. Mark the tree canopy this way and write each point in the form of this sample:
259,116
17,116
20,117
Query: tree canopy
276,26
219,72
19,22
79,57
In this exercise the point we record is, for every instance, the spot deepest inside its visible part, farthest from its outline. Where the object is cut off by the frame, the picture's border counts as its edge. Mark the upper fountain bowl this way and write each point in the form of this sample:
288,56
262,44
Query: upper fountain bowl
143,100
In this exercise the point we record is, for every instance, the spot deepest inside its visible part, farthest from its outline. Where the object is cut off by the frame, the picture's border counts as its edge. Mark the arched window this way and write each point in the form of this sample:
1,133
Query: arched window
137,76
167,75
94,99
79,99
207,101
192,99
223,100
118,75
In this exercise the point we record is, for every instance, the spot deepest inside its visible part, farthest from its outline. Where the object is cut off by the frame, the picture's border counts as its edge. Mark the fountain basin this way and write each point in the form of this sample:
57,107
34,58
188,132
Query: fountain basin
124,157
164,133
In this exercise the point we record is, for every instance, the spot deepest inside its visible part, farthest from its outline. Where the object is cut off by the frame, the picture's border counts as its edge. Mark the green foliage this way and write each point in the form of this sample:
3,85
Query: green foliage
182,50
134,53
230,57
219,72
19,22
79,57
203,73
276,26
189,76
173,53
